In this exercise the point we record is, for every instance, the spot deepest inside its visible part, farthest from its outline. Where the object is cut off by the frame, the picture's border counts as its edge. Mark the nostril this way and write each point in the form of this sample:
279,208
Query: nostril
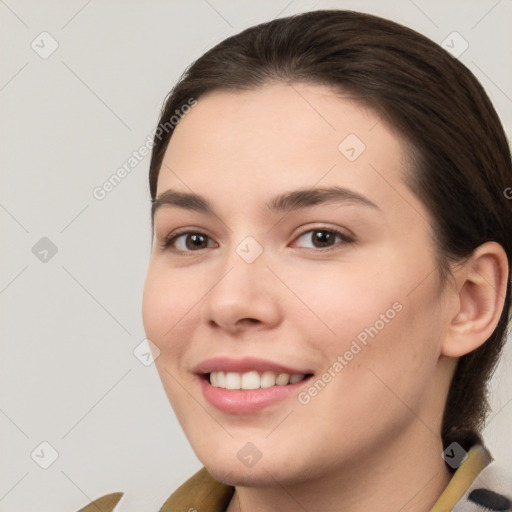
250,320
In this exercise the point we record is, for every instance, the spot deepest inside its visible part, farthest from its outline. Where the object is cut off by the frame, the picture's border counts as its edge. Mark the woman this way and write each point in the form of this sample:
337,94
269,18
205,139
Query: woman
329,285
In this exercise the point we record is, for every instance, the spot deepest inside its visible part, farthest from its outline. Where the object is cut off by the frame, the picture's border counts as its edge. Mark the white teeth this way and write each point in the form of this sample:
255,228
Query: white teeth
252,379
268,379
233,380
282,379
221,380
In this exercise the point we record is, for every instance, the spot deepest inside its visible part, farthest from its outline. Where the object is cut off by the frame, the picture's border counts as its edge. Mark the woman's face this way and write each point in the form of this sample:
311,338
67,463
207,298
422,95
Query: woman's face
338,287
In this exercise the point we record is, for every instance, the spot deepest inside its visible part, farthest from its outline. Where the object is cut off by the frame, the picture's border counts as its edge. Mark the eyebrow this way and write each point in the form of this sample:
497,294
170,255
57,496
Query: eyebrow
289,201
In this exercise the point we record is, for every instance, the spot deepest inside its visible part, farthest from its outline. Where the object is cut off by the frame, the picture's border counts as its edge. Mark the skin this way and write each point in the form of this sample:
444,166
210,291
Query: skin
376,424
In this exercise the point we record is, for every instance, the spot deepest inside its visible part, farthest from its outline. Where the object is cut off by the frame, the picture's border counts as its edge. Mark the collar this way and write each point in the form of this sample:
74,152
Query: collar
472,465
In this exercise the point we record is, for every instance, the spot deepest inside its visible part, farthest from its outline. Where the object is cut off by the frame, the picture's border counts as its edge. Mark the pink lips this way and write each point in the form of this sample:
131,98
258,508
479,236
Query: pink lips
246,401
246,364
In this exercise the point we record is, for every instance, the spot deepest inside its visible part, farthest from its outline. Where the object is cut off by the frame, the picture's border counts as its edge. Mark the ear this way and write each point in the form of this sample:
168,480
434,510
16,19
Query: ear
481,284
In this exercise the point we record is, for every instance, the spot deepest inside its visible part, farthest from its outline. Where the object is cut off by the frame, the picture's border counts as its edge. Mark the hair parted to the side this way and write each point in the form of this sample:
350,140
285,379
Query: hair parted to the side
460,158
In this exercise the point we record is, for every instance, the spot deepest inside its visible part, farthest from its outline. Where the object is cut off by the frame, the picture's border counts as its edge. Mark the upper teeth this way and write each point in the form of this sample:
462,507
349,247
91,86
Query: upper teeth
252,379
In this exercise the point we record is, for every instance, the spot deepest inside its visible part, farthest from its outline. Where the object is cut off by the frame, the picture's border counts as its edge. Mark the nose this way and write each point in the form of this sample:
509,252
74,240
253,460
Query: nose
242,296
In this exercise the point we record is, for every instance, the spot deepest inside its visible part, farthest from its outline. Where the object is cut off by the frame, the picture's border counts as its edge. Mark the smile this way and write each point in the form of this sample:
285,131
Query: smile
248,385
252,379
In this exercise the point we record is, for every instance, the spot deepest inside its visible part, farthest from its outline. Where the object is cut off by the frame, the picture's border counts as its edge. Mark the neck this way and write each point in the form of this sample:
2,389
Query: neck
406,474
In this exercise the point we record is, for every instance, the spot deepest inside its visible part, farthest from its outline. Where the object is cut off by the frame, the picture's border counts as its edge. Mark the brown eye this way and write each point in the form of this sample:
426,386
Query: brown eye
197,241
324,238
188,241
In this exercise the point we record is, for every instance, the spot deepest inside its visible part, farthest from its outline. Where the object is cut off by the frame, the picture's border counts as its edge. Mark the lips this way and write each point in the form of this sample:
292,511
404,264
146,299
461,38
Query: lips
247,364
232,399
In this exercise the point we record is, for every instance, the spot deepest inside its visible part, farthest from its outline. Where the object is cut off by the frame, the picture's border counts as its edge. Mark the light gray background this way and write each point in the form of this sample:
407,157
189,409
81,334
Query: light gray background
69,325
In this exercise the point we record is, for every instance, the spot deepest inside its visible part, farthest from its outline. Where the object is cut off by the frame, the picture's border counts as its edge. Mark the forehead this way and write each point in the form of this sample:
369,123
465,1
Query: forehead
245,144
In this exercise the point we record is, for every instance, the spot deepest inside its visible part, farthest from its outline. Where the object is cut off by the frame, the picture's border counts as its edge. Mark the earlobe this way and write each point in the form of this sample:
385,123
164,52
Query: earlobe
481,285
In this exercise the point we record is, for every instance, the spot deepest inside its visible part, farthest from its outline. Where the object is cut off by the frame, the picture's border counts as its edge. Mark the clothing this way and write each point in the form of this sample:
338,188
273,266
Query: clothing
478,484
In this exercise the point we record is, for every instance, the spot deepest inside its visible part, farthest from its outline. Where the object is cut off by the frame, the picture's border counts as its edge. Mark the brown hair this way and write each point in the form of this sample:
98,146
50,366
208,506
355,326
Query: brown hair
458,148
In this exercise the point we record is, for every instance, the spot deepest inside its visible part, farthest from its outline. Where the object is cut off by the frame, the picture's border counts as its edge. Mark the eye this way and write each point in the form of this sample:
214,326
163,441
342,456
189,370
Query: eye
324,238
191,240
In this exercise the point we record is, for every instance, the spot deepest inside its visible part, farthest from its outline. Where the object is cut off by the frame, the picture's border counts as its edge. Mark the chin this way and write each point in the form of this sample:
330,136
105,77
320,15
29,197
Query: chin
245,477
264,473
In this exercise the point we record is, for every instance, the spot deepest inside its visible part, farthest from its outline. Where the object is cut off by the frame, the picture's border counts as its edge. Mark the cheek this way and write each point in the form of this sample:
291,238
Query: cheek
375,319
348,300
168,309
166,301
399,350
168,319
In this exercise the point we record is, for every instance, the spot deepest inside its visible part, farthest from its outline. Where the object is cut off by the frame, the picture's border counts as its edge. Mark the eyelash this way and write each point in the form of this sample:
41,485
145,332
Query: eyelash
170,239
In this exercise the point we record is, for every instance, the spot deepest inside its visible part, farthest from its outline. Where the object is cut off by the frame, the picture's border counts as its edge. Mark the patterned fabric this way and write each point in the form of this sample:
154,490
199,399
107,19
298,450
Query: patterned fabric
491,490
478,484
